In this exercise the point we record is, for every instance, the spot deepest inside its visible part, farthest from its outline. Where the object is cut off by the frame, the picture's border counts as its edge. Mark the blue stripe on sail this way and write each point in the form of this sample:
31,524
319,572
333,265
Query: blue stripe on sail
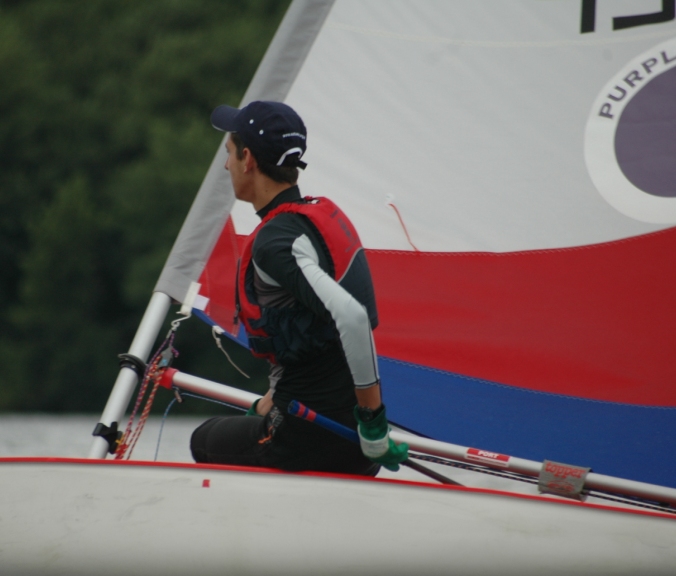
628,441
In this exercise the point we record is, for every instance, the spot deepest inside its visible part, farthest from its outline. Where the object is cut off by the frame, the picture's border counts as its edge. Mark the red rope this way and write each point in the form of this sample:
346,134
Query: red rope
153,374
127,447
401,221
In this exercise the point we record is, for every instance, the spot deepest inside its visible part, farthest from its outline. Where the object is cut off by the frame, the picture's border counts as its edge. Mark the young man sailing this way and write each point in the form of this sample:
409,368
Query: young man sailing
305,297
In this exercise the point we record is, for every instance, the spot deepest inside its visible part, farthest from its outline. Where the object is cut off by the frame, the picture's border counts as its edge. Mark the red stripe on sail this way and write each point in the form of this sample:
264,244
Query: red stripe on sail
218,277
596,321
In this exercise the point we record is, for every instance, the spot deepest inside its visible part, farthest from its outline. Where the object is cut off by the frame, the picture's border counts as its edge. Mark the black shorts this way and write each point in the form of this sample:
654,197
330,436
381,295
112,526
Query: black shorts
279,441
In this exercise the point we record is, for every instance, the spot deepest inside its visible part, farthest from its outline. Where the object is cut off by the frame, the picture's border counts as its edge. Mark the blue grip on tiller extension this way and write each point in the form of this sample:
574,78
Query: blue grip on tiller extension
305,413
301,411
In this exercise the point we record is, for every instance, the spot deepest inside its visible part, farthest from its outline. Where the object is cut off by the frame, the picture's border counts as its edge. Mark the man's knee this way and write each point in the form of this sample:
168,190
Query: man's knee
199,441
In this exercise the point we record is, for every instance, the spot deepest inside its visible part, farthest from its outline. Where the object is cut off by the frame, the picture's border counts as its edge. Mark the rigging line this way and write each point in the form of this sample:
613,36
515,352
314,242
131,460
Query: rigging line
637,502
131,434
162,359
159,436
178,398
216,331
401,221
131,442
176,322
473,468
631,502
207,399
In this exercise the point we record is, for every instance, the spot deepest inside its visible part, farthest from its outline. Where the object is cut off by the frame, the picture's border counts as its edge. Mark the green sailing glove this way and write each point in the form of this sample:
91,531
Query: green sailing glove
252,409
374,437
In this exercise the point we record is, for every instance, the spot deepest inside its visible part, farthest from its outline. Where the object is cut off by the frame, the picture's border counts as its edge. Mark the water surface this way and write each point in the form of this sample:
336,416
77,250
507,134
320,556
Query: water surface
71,436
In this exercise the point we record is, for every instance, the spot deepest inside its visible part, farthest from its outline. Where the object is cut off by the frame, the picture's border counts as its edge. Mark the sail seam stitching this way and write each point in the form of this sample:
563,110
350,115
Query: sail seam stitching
599,246
493,44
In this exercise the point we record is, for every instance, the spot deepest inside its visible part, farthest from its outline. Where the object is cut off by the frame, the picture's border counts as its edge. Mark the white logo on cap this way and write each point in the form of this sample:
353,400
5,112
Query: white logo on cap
288,153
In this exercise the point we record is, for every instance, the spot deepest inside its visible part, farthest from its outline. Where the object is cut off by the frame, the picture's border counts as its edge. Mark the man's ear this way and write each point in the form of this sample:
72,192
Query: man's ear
248,160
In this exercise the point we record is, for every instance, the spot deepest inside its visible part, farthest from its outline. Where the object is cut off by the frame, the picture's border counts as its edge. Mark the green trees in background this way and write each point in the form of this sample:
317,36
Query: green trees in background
104,140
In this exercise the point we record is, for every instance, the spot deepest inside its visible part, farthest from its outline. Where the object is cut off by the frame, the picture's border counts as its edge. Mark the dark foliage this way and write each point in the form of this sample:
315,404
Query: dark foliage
104,140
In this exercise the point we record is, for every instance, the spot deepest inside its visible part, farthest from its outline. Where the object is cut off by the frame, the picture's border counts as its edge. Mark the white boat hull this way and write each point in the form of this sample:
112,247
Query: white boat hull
83,517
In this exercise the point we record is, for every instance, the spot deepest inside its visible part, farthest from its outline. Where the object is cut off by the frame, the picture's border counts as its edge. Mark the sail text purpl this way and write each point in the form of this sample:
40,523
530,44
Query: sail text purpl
634,80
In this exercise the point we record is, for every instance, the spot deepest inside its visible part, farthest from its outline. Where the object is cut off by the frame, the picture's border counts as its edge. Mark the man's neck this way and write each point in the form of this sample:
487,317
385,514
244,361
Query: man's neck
266,190
291,194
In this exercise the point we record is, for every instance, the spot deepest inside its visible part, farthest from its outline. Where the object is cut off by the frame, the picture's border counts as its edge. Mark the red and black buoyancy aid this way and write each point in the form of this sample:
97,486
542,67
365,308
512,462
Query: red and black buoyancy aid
263,325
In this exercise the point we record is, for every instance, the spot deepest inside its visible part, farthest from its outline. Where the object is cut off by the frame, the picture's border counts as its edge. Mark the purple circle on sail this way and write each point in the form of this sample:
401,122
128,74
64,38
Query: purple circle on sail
645,139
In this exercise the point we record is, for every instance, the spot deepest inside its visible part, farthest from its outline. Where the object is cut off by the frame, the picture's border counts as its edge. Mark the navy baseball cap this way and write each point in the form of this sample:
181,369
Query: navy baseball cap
271,130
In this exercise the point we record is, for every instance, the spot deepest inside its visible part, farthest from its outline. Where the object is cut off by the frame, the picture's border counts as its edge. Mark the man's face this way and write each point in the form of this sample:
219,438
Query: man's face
236,167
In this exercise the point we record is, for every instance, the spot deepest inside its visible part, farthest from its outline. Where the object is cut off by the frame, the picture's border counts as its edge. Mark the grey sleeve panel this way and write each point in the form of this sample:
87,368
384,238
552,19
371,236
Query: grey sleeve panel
350,316
214,201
